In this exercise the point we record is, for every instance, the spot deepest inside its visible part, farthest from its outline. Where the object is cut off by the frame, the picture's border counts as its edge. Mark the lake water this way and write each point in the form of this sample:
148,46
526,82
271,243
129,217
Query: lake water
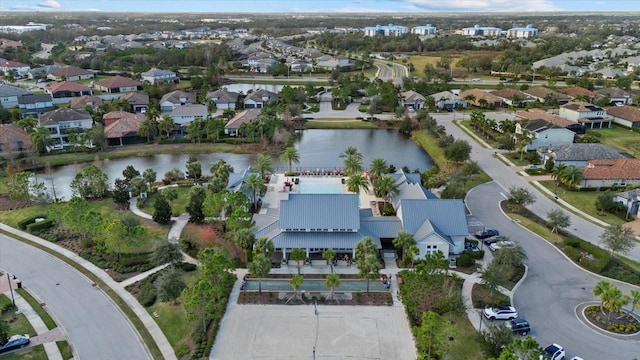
317,149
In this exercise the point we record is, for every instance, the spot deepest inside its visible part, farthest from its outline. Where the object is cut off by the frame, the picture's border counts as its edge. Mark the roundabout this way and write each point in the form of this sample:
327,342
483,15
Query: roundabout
590,315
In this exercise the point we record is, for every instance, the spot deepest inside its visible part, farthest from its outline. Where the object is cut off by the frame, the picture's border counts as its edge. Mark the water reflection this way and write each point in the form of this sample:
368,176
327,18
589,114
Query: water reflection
317,149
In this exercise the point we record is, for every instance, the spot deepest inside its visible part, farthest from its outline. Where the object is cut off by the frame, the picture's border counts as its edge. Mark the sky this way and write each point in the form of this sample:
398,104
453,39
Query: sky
315,6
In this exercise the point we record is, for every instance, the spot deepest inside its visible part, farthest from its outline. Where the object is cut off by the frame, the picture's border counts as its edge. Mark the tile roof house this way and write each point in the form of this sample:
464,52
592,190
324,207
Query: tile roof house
183,115
139,101
591,116
579,154
121,127
13,141
412,99
513,97
34,105
258,99
9,66
555,120
9,95
547,96
160,76
627,116
224,99
243,117
577,91
62,121
315,222
481,98
616,96
117,84
68,89
84,100
71,73
611,173
176,98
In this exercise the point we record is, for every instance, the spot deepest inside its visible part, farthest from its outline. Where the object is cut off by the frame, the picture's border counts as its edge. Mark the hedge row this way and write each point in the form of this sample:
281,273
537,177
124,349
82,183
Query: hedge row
127,264
30,220
576,249
40,226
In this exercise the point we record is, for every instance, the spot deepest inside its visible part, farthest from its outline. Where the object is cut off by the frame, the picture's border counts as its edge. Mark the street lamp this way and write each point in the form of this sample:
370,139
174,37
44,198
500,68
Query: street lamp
13,300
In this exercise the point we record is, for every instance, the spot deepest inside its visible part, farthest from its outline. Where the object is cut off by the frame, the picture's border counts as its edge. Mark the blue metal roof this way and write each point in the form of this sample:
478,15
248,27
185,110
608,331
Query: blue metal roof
382,226
330,240
447,215
320,211
427,229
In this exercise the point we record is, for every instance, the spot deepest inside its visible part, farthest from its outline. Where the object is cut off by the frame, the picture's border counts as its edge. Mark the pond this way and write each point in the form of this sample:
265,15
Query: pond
317,149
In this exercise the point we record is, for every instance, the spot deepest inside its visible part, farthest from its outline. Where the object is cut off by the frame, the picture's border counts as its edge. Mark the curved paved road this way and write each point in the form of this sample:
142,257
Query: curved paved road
553,288
95,326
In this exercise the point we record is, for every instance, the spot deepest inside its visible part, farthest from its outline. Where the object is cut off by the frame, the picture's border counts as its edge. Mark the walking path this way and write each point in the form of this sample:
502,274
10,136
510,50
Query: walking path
44,336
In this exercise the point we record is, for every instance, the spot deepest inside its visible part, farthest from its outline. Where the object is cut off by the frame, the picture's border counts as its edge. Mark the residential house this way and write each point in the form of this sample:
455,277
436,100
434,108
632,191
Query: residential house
301,66
8,43
385,30
70,73
62,121
10,95
316,222
159,76
121,127
411,100
609,73
522,32
616,96
17,68
233,125
83,101
631,199
581,93
117,84
544,134
139,102
258,99
513,97
13,141
224,99
547,96
261,62
446,100
627,116
68,89
557,121
579,154
611,173
591,116
330,63
183,115
175,99
34,105
481,98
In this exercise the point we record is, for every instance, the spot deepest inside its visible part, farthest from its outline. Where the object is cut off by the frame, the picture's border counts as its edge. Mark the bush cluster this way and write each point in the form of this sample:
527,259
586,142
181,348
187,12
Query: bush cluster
40,226
30,220
127,264
148,294
623,329
465,260
574,248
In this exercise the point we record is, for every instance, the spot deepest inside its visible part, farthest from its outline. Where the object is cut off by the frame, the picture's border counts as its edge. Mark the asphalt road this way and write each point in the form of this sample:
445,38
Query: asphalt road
507,178
553,288
95,326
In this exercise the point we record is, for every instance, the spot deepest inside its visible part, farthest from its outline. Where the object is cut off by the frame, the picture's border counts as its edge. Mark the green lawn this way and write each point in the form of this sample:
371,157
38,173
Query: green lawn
621,138
178,206
44,315
583,200
540,229
464,346
18,323
65,350
430,145
35,353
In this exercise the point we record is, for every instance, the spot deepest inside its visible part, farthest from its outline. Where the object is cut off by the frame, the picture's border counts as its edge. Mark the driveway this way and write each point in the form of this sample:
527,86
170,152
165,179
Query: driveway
95,326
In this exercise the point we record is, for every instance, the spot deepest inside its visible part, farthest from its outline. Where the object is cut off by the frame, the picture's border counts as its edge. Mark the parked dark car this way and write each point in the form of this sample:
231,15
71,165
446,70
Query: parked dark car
519,325
486,233
15,342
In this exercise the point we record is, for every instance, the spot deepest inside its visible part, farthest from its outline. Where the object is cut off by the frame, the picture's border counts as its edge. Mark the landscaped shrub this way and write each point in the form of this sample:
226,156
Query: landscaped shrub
186,267
570,241
465,260
30,220
148,294
39,226
476,255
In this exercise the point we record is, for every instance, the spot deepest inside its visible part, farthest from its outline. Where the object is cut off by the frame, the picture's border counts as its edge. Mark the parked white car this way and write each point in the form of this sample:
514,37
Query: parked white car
553,352
501,244
500,313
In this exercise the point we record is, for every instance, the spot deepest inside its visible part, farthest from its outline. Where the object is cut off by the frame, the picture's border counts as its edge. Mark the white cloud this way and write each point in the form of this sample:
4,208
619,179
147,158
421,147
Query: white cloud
486,5
50,4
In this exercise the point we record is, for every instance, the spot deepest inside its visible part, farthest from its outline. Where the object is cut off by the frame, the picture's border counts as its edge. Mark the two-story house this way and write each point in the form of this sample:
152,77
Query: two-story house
34,105
14,67
258,99
174,99
224,99
62,121
183,115
591,116
139,102
117,84
160,76
13,141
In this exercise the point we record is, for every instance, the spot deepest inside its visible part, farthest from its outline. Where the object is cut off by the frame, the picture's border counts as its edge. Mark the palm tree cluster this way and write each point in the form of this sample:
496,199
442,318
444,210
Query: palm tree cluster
613,300
568,175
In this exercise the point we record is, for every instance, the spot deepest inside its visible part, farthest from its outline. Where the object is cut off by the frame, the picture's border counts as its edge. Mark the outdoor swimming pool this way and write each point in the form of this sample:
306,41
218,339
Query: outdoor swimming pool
315,285
317,187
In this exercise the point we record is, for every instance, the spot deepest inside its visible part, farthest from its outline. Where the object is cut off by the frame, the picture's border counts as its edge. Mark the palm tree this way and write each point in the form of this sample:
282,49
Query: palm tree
166,124
147,129
41,139
572,176
260,267
221,169
614,301
385,188
353,165
483,103
634,298
256,185
470,98
369,267
329,255
377,168
364,247
350,151
298,255
296,281
263,165
290,156
523,140
332,282
28,124
357,182
411,253
402,242
557,174
600,290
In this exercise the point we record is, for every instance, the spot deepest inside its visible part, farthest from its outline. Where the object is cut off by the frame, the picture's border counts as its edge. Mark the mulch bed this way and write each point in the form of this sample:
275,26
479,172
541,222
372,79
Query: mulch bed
272,298
619,323
8,204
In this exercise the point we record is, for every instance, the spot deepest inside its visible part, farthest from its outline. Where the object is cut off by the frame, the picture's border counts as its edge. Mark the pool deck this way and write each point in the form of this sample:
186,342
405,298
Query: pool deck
276,190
